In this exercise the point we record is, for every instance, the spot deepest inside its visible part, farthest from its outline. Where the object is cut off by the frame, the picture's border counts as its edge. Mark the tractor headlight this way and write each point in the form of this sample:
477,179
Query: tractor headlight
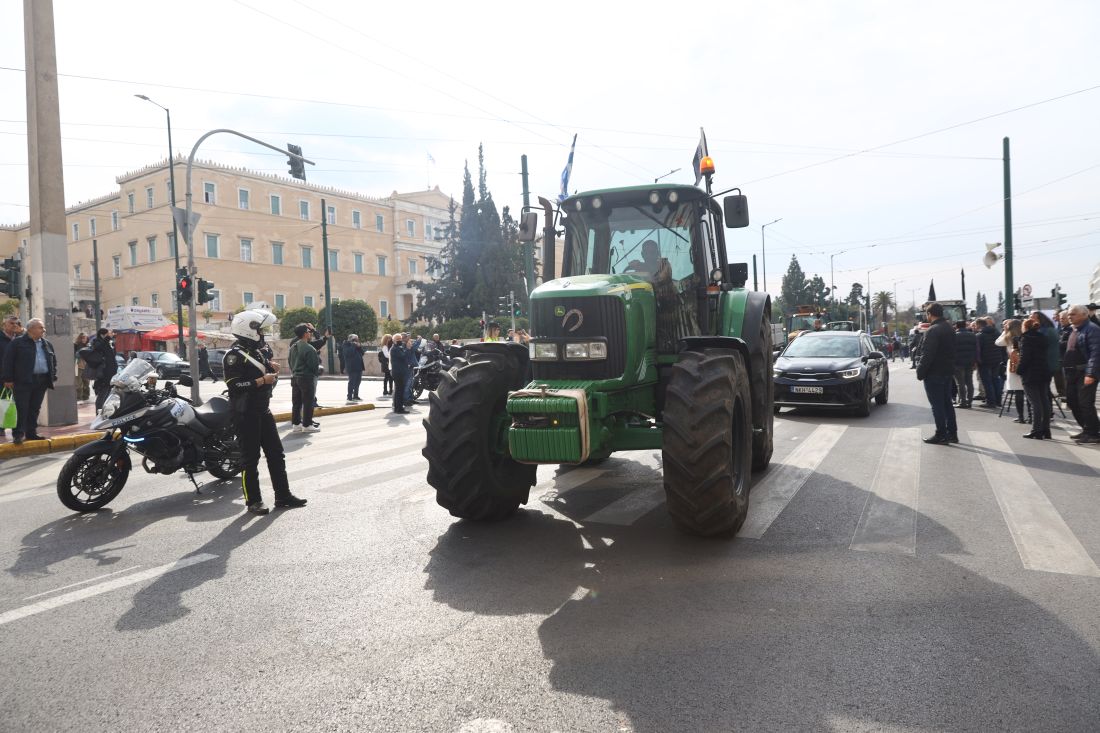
849,373
543,352
586,350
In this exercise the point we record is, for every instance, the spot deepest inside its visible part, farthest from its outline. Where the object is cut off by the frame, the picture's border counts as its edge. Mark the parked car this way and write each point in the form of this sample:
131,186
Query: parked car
216,356
831,369
166,364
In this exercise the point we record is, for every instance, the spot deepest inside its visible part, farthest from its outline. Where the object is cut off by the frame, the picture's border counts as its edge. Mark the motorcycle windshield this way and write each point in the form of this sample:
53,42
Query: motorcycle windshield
133,376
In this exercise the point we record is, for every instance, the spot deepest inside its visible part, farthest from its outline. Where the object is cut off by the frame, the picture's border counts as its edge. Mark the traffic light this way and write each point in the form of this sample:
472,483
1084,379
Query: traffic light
502,304
297,167
184,286
1059,296
517,309
1017,306
204,294
10,269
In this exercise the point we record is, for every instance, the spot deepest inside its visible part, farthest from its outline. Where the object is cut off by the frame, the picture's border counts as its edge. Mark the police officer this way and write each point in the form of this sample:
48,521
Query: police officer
250,376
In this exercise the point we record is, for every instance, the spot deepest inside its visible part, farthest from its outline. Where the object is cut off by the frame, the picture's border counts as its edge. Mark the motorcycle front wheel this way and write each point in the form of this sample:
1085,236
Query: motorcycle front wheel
417,387
90,482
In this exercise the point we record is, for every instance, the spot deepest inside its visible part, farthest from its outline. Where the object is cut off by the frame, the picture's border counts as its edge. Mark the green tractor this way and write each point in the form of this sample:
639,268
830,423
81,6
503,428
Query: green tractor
648,340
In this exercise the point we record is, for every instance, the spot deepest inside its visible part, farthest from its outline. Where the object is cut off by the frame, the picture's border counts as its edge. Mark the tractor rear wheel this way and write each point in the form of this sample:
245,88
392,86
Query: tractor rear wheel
467,443
707,448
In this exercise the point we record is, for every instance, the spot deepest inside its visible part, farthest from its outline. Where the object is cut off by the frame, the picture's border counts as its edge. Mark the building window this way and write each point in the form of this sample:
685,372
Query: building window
379,222
171,193
427,229
381,265
246,250
332,215
333,260
276,253
412,267
308,301
307,257
384,308
133,253
76,272
116,264
410,227
216,303
134,300
76,232
152,242
276,205
154,300
303,210
171,244
280,301
91,226
358,258
356,220
130,201
242,199
247,299
149,197
114,220
211,245
209,192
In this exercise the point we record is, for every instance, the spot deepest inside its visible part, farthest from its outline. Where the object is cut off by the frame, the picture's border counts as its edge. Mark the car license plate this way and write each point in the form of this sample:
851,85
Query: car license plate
807,390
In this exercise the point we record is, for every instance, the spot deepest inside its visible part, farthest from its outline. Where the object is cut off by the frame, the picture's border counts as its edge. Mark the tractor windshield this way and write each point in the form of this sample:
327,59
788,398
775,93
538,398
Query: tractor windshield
640,239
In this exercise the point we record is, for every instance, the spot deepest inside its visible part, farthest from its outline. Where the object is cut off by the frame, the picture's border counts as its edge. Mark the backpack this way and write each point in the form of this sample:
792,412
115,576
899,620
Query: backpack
91,357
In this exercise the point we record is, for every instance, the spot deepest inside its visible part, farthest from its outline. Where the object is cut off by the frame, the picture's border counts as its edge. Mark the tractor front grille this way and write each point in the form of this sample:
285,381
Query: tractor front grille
600,316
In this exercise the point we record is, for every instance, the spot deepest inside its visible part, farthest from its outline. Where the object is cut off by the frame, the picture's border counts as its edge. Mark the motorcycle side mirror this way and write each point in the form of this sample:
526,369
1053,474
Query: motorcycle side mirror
185,380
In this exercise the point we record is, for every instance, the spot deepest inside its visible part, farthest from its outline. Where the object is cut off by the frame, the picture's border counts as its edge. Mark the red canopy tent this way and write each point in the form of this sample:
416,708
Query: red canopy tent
169,332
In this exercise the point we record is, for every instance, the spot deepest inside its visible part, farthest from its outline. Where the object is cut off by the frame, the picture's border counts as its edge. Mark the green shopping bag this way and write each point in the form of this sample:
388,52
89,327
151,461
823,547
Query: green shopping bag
9,418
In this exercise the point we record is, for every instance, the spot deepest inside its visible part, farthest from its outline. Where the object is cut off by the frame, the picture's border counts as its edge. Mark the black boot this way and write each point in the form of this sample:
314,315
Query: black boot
289,501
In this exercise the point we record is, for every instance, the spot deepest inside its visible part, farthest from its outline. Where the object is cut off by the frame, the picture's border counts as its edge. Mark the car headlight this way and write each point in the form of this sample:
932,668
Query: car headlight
777,373
586,350
849,373
544,351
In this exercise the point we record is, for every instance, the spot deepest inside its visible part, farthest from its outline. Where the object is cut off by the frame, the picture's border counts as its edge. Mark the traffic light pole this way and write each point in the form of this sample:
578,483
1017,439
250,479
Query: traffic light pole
1009,290
188,226
512,308
328,290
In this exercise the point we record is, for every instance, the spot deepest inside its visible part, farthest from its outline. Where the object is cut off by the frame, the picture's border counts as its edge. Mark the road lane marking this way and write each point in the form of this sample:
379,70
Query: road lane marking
630,508
571,479
1043,539
889,519
84,593
82,582
771,496
1088,456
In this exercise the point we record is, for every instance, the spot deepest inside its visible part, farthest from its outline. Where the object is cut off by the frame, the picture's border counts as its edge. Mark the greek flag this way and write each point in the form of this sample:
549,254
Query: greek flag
565,173
700,153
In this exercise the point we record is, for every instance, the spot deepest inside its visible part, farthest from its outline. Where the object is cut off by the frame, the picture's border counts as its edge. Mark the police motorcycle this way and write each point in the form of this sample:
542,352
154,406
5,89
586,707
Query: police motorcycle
164,428
429,372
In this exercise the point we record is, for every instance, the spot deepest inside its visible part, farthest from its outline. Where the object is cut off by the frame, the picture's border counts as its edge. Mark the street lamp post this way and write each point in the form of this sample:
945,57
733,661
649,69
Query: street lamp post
175,230
832,277
870,315
763,257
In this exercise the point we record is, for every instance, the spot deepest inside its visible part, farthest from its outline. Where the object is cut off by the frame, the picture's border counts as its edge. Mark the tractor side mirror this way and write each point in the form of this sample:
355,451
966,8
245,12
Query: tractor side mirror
528,226
736,209
736,274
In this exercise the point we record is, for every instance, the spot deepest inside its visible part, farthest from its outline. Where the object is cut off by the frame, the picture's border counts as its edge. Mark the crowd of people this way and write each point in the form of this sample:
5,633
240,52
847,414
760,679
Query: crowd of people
1027,363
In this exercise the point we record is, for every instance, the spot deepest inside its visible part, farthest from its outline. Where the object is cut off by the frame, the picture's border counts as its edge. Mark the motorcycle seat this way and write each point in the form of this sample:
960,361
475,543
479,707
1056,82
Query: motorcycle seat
214,413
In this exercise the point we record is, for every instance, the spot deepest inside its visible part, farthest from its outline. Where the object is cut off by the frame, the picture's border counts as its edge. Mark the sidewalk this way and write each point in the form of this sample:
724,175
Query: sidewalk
331,394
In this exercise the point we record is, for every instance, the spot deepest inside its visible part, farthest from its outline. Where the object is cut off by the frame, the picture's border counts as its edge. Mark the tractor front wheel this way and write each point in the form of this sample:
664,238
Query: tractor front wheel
467,441
707,446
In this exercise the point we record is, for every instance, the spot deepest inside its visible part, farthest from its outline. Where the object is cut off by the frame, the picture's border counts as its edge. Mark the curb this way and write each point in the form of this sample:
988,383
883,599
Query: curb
64,443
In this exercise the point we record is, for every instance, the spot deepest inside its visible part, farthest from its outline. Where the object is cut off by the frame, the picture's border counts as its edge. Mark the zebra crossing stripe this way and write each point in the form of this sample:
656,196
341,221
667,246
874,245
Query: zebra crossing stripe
889,519
771,496
630,508
1043,539
1088,456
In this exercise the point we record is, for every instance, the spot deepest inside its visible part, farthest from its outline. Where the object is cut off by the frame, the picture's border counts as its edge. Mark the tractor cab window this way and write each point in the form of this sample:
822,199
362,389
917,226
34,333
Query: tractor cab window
654,242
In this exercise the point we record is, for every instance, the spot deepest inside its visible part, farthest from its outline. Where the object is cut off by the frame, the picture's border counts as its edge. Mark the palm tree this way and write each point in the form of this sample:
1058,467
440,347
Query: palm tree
883,302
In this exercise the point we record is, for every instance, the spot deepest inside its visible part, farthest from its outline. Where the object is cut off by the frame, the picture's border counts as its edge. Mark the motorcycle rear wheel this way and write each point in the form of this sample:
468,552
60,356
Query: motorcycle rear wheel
223,459
90,482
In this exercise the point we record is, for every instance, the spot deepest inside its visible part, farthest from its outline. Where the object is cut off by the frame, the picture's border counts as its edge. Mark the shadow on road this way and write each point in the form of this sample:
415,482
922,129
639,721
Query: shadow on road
679,633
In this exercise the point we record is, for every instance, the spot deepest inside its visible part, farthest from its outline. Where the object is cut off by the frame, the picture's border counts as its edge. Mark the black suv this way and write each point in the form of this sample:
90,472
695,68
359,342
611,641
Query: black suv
166,364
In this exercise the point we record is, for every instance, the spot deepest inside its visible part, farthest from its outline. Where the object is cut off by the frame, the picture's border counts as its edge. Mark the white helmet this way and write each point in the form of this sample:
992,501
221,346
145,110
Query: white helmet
252,324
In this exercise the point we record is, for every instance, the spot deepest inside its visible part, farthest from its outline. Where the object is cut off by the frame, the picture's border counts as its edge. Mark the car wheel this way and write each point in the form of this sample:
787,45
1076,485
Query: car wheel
864,407
882,397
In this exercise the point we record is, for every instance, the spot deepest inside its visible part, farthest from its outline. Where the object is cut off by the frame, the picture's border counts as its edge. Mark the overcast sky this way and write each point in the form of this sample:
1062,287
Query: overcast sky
872,129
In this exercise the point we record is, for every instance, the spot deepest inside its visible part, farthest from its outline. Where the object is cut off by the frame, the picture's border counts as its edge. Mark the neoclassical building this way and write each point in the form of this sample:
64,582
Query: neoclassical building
258,239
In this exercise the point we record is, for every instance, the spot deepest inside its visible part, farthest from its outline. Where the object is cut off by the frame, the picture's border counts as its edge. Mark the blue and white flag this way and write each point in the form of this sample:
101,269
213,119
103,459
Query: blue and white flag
565,173
700,153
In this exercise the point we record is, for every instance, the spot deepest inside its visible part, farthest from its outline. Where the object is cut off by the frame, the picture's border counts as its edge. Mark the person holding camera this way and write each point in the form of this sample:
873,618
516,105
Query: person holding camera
305,370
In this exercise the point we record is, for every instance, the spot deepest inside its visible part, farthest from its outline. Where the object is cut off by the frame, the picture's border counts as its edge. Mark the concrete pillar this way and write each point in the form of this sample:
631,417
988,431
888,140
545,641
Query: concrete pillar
48,248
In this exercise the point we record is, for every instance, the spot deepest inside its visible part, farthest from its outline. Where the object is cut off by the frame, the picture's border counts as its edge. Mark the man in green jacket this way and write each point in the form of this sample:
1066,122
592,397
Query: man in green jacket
305,368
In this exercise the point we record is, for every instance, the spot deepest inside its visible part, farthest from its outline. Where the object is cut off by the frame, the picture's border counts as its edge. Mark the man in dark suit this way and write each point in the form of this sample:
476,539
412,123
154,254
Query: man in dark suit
937,371
29,369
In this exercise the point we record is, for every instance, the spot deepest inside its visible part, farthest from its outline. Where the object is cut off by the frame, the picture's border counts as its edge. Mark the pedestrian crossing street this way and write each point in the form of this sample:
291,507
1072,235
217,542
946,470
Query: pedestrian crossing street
894,473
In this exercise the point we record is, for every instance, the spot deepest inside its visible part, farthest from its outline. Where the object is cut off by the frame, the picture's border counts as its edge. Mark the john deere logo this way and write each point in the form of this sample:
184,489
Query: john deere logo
559,310
580,319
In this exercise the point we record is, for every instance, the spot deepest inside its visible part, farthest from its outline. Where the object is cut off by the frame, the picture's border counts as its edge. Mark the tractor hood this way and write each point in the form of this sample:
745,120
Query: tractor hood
581,285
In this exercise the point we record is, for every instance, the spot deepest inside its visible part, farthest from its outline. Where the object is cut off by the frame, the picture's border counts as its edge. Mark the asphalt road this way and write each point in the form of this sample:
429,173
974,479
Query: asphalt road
879,585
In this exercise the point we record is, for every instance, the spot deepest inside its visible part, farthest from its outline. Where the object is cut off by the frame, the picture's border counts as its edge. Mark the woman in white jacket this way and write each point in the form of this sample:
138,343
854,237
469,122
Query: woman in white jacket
1010,340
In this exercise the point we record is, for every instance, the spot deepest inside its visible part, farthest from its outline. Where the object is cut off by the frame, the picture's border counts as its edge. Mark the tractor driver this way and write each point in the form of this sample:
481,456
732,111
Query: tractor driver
652,262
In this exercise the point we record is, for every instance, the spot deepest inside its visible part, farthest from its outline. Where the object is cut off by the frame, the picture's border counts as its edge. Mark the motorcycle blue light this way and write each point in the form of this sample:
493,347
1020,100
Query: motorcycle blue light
132,440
